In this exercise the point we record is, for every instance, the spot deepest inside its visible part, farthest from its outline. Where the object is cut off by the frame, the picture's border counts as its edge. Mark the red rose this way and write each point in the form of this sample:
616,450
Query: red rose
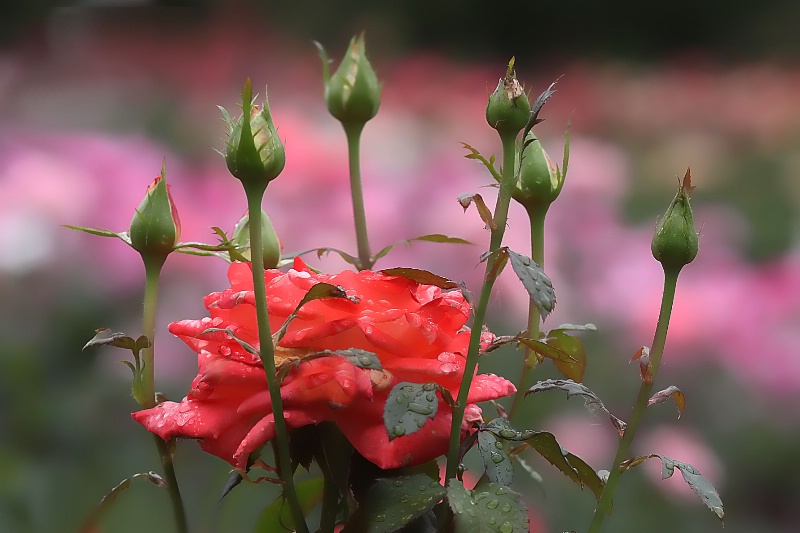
416,331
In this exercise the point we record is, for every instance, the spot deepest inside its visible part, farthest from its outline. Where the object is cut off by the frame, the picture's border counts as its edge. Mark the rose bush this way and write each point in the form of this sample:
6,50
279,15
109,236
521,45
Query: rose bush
416,330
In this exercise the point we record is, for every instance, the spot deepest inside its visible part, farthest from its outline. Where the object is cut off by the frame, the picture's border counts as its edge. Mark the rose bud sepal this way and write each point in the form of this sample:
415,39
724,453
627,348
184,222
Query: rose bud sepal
254,153
271,246
508,109
156,227
352,93
675,242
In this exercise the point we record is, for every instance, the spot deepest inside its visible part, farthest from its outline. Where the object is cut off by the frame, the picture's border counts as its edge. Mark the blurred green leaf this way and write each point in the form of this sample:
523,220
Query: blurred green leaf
277,516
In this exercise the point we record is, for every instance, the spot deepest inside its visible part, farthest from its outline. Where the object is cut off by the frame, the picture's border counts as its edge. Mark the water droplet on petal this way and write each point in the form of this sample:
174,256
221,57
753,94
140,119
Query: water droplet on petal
225,351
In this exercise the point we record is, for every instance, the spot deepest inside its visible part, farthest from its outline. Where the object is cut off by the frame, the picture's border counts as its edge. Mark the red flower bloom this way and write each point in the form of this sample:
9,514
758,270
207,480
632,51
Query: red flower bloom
416,331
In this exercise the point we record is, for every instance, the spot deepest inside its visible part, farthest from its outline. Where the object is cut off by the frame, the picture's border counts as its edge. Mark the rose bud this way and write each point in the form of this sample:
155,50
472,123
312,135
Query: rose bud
352,93
508,109
156,227
540,180
675,242
254,153
271,244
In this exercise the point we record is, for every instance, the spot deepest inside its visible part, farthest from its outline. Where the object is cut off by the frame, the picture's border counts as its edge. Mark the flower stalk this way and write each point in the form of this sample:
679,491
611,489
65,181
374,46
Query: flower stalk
508,140
267,353
353,132
674,245
152,268
645,390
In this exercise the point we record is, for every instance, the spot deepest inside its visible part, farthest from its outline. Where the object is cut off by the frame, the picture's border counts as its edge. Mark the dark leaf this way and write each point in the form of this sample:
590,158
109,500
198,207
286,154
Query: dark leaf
277,517
700,485
496,462
408,407
317,292
593,403
587,474
249,348
643,356
486,215
118,340
670,392
535,281
111,496
499,260
421,276
548,447
492,508
438,237
392,503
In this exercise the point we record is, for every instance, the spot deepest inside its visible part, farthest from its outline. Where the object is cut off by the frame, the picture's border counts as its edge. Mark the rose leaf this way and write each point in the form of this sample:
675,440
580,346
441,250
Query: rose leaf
496,462
593,403
408,408
700,485
486,215
277,516
575,367
112,495
535,281
422,276
670,392
492,507
392,503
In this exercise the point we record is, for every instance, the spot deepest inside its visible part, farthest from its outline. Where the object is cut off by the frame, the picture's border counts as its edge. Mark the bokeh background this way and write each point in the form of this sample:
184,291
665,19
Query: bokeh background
95,94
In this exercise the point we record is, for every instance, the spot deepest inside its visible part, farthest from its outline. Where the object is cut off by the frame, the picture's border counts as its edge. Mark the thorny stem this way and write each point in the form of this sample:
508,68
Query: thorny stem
536,215
353,133
267,353
656,352
500,217
152,268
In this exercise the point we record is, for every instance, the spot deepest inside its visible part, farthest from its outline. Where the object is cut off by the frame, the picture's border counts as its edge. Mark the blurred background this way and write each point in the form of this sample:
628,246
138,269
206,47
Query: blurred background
94,95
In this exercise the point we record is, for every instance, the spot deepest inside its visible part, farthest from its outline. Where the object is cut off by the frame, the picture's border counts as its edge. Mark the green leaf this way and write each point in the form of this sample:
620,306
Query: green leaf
111,496
277,516
317,292
575,368
700,485
546,350
593,403
105,336
535,281
486,215
492,508
360,358
422,276
576,327
249,348
408,407
475,154
586,474
439,237
392,503
670,392
123,235
548,447
496,462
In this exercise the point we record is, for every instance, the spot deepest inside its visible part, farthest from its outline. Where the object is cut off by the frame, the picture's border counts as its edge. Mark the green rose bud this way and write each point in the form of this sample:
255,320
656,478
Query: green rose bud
539,179
254,152
508,109
352,93
271,244
675,242
156,227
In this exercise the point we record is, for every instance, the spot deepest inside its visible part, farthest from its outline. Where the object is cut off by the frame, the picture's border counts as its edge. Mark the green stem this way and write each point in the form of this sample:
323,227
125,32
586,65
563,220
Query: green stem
267,353
536,215
152,268
353,133
656,352
500,219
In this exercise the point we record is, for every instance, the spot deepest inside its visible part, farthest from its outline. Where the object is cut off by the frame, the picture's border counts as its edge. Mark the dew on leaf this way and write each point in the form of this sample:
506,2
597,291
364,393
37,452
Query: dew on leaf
505,527
380,517
506,507
492,504
397,483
